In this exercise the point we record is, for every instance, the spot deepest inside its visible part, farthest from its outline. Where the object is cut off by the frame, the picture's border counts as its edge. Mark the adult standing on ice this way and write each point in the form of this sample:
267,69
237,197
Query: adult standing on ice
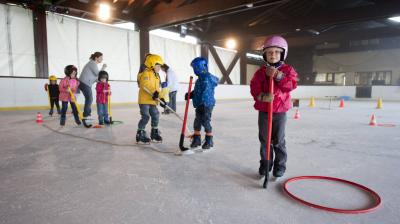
88,77
275,50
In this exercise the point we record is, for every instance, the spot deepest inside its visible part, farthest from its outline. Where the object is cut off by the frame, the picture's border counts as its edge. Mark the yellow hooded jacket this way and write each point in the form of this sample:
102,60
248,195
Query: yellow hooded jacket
150,80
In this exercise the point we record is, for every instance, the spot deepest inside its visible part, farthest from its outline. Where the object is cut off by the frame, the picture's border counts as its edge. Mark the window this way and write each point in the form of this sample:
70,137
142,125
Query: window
330,78
373,78
382,78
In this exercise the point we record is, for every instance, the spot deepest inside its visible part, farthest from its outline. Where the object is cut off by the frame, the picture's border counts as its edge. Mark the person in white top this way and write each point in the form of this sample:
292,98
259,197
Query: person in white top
173,85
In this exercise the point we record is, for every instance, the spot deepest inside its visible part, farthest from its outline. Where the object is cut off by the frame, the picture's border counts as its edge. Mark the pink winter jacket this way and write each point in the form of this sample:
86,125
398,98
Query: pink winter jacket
101,95
282,100
65,82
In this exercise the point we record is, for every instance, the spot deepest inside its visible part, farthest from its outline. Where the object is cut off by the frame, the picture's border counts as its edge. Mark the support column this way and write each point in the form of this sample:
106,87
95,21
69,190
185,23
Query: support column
40,42
243,67
204,48
144,40
244,46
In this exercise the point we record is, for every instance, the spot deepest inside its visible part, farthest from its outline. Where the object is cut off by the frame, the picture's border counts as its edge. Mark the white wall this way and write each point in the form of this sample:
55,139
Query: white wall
61,43
323,91
176,54
386,92
72,41
17,45
4,48
30,92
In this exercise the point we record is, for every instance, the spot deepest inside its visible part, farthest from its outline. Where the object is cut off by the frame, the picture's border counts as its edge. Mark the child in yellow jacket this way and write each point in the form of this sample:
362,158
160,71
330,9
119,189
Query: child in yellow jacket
149,96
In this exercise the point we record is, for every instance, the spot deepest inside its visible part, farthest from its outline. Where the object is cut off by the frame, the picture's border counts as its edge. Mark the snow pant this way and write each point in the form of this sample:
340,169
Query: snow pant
102,112
148,111
64,109
278,144
54,101
203,118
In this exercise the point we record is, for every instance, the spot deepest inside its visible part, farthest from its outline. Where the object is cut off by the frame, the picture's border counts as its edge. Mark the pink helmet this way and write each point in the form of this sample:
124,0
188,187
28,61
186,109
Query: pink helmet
276,41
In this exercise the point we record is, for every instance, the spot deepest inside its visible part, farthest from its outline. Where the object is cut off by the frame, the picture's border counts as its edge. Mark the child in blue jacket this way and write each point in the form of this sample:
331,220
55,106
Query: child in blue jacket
203,101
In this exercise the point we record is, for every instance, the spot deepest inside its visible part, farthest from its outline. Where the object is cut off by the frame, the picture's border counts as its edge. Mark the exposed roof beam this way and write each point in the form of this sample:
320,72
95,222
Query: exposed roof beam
382,10
116,13
200,10
336,37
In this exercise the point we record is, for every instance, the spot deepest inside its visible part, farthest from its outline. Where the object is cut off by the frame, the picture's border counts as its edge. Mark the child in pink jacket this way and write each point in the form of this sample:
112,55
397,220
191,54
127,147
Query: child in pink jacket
71,81
275,50
102,92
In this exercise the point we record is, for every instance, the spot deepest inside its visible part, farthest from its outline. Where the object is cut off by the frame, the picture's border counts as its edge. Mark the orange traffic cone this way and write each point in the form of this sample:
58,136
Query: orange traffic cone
341,105
373,122
297,115
39,118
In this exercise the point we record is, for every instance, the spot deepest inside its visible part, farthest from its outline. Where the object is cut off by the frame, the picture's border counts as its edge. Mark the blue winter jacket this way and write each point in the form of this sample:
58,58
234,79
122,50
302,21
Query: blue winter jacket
204,90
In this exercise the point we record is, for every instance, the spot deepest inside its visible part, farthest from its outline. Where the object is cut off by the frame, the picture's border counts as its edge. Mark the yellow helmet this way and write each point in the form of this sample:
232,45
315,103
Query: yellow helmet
152,60
52,78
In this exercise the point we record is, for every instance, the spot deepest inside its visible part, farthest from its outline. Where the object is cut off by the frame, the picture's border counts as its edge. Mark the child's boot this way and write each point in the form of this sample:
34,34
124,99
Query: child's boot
141,137
196,141
263,167
262,170
209,143
107,121
62,121
155,135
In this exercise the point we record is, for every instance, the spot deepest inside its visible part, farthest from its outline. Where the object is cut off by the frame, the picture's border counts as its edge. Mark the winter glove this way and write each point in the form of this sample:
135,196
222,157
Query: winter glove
201,109
164,85
265,97
155,95
279,76
163,104
271,71
191,95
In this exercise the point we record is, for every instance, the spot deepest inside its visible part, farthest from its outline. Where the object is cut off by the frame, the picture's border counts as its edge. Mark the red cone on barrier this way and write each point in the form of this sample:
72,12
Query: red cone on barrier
373,122
297,114
39,118
341,105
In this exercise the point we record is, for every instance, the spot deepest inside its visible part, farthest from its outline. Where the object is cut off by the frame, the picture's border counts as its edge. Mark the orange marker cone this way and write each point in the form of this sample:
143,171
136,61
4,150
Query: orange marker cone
373,122
39,118
297,115
341,105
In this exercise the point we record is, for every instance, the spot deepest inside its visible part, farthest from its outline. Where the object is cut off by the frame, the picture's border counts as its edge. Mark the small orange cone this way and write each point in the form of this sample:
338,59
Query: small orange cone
297,115
97,126
373,122
341,105
39,118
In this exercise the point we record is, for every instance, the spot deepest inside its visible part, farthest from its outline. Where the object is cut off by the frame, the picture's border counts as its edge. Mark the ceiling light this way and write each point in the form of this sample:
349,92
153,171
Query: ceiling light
395,19
104,11
231,43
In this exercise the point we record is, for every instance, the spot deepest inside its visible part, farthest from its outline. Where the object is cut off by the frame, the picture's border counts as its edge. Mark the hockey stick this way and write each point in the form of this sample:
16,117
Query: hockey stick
269,130
182,138
169,108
